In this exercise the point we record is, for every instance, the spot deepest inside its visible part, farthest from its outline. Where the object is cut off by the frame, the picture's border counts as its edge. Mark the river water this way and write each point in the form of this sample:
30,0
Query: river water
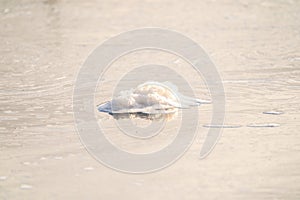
255,46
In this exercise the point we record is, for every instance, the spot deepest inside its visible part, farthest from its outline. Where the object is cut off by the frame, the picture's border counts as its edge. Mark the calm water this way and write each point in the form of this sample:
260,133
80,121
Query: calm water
255,46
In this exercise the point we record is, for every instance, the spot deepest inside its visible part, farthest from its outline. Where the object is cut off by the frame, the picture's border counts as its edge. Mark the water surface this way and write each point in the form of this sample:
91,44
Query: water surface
255,46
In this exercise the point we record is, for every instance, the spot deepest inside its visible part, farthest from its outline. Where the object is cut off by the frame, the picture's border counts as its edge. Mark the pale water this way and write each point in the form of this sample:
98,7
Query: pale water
255,46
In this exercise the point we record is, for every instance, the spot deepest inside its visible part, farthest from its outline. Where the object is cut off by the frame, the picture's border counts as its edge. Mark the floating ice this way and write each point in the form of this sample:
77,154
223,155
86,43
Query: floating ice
150,98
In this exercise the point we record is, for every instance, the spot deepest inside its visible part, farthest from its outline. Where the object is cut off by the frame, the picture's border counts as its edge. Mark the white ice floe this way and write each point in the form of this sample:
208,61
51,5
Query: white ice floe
150,98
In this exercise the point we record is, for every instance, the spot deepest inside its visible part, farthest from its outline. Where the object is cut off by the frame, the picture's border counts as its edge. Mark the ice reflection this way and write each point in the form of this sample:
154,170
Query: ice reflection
147,116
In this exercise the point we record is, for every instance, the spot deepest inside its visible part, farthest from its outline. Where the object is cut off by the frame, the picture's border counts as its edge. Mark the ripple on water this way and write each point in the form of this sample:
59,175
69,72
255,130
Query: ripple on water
58,157
263,125
26,163
273,112
89,168
25,186
221,126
